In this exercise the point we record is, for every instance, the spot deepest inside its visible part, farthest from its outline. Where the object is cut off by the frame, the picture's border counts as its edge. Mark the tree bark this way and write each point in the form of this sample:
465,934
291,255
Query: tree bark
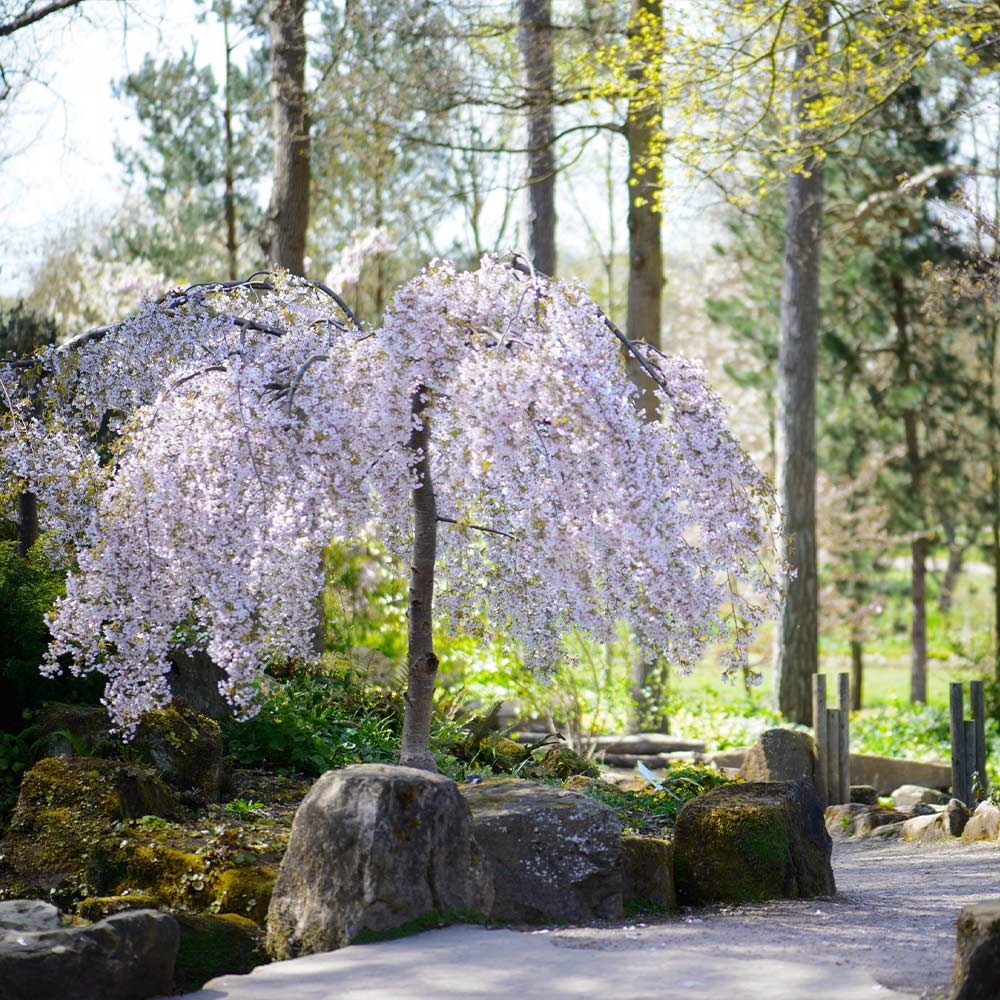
915,464
796,653
956,556
535,42
421,661
229,198
27,522
644,313
284,236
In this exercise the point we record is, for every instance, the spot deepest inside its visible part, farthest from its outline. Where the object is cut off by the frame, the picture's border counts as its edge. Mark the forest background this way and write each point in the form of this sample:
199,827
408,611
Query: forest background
663,156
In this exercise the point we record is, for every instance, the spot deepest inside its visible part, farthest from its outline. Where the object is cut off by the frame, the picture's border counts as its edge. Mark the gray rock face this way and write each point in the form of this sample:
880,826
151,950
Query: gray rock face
976,974
781,755
865,794
907,796
556,853
761,840
129,956
984,823
28,915
648,872
950,822
373,847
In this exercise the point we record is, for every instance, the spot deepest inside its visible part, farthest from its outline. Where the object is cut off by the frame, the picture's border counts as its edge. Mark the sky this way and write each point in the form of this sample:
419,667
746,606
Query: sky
58,132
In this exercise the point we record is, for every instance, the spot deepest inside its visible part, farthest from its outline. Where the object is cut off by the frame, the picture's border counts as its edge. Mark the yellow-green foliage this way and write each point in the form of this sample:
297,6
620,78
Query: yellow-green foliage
773,81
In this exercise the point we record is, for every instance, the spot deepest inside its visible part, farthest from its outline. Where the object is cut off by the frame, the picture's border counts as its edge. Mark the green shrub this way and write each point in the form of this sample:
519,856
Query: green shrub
28,589
653,811
18,752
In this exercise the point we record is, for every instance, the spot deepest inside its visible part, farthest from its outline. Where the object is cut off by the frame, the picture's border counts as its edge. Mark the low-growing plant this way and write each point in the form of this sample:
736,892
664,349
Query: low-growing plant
18,752
655,810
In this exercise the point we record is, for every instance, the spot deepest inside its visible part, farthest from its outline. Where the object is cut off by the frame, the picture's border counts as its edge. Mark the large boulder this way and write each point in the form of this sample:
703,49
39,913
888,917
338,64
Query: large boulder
908,796
781,755
984,824
66,807
759,840
950,822
182,745
556,853
374,847
648,874
887,773
129,956
976,973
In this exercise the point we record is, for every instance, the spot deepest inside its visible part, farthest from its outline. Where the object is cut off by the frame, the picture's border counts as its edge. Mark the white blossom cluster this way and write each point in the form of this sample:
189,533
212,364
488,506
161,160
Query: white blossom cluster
261,425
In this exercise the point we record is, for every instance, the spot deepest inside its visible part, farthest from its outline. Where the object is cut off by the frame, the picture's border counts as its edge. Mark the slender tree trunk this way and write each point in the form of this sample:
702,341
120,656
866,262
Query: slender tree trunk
859,594
956,556
27,522
857,671
229,199
284,236
918,547
422,663
796,653
535,41
644,314
645,182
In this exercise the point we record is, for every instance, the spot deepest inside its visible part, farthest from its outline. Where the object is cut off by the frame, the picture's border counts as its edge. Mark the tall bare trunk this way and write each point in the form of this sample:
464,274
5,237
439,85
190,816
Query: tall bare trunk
956,556
27,522
915,465
535,41
645,302
796,653
284,236
422,663
229,199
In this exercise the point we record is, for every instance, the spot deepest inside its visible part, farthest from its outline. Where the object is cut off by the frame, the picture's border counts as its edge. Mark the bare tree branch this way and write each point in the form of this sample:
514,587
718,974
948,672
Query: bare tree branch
29,17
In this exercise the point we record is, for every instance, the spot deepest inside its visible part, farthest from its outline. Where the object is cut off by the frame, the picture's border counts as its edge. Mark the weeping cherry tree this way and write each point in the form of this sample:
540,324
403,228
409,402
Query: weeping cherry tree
487,433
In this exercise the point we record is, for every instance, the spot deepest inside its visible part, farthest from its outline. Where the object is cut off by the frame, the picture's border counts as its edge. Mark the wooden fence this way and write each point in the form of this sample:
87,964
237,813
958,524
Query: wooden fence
968,744
831,732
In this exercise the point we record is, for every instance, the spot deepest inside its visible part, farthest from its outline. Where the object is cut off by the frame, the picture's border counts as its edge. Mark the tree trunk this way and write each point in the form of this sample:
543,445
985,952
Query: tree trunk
796,653
229,199
27,522
535,42
918,656
915,464
422,664
645,303
857,671
956,556
645,248
284,236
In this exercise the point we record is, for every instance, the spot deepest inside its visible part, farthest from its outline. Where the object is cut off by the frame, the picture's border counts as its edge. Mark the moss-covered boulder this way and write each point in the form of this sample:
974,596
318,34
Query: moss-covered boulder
96,908
66,810
647,874
183,746
759,840
210,946
245,890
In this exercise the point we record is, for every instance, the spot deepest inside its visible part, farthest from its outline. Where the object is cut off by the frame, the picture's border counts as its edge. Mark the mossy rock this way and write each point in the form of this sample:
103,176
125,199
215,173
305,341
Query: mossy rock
752,841
648,874
227,944
184,747
95,908
245,890
174,876
66,810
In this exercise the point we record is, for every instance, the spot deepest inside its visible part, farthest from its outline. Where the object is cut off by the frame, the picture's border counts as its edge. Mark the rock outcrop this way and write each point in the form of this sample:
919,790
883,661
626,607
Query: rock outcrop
129,956
752,841
372,848
781,755
976,974
556,853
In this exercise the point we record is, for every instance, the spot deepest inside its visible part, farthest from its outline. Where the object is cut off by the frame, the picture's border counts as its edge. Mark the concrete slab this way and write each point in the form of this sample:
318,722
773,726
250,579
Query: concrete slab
468,963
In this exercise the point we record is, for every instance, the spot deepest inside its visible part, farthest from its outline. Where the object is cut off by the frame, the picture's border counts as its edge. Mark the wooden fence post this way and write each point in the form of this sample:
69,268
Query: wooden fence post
844,743
819,736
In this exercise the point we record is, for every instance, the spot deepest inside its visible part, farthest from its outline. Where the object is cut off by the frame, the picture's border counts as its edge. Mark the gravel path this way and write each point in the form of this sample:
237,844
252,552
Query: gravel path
888,933
893,916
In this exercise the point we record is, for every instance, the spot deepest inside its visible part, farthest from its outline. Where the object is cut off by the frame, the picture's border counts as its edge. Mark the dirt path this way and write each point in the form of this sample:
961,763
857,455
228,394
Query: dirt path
893,916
